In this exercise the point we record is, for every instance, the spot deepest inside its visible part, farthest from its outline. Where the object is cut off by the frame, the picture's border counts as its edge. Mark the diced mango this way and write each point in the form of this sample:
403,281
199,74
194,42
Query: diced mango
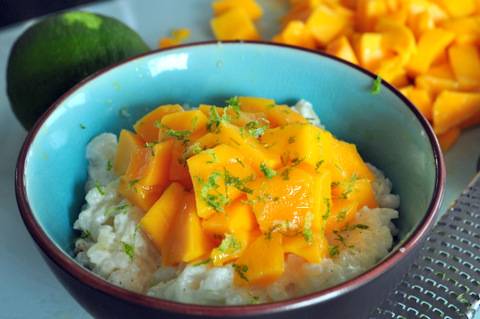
368,12
432,43
453,108
421,99
283,201
189,240
313,249
219,177
465,62
421,23
261,263
392,71
369,49
458,8
128,144
255,104
356,190
342,49
341,214
232,246
280,115
322,199
178,165
238,217
296,33
158,164
193,123
449,138
398,39
139,195
326,23
147,127
346,162
436,84
467,30
157,222
253,9
298,142
234,24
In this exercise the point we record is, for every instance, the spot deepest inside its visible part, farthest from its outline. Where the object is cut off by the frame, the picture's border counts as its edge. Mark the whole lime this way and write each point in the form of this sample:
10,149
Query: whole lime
56,53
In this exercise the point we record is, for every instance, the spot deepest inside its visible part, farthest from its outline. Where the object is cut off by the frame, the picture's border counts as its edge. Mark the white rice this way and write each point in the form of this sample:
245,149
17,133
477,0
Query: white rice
114,248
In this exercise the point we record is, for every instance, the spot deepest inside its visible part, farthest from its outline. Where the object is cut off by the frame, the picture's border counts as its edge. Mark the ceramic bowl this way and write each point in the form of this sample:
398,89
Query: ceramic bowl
386,128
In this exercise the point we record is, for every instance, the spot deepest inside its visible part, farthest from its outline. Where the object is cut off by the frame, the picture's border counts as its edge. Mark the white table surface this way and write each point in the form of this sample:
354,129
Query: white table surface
27,288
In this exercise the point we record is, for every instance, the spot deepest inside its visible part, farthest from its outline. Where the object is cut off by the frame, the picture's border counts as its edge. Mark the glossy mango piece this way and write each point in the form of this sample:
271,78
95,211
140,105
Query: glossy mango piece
189,242
251,7
142,196
368,12
280,115
147,127
296,33
369,49
466,29
399,39
313,249
129,143
356,190
453,108
157,222
341,48
261,263
234,24
283,201
193,122
178,171
421,99
255,104
465,62
346,162
431,44
232,246
219,177
299,143
326,23
238,217
156,172
458,8
322,199
392,71
343,212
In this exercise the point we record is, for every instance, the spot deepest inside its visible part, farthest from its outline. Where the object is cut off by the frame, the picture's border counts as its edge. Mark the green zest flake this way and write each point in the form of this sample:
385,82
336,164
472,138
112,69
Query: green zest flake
286,174
308,235
291,140
214,121
194,123
350,187
117,209
239,161
268,235
237,182
216,201
342,214
360,226
229,244
158,124
339,237
203,262
255,129
133,182
267,171
234,104
100,189
182,136
213,156
333,251
151,146
307,227
129,250
255,299
318,164
82,126
377,85
109,165
327,210
241,270
85,234
297,161
196,148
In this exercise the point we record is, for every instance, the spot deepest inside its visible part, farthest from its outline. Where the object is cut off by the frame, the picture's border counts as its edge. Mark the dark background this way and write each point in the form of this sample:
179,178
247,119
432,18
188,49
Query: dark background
12,11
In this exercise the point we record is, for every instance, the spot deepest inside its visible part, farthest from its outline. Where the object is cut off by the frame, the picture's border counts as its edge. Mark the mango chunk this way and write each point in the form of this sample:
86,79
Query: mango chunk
458,8
322,202
369,49
255,104
421,99
465,62
392,71
261,263
147,127
178,165
341,48
313,249
453,108
326,23
139,195
467,29
298,142
449,138
234,24
253,9
128,144
238,217
342,213
157,222
188,125
431,44
219,177
231,247
346,162
283,202
282,115
190,241
368,12
157,165
399,39
296,33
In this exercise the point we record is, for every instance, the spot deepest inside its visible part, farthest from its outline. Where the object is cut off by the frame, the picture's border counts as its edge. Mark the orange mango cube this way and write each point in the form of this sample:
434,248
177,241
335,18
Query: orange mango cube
147,127
234,24
128,144
253,9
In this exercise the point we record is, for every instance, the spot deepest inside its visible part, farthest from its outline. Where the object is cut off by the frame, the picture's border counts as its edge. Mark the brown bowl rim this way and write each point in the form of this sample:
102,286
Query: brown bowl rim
67,263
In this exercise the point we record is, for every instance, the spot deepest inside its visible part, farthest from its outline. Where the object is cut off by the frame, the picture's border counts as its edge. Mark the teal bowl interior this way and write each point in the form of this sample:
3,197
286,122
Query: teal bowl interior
386,131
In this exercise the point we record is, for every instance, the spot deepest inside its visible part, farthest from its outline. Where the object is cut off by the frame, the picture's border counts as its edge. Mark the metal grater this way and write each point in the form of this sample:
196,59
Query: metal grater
444,282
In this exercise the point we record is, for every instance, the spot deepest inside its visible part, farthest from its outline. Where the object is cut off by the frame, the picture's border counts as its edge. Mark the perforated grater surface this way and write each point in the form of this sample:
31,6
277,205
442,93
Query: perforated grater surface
444,282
